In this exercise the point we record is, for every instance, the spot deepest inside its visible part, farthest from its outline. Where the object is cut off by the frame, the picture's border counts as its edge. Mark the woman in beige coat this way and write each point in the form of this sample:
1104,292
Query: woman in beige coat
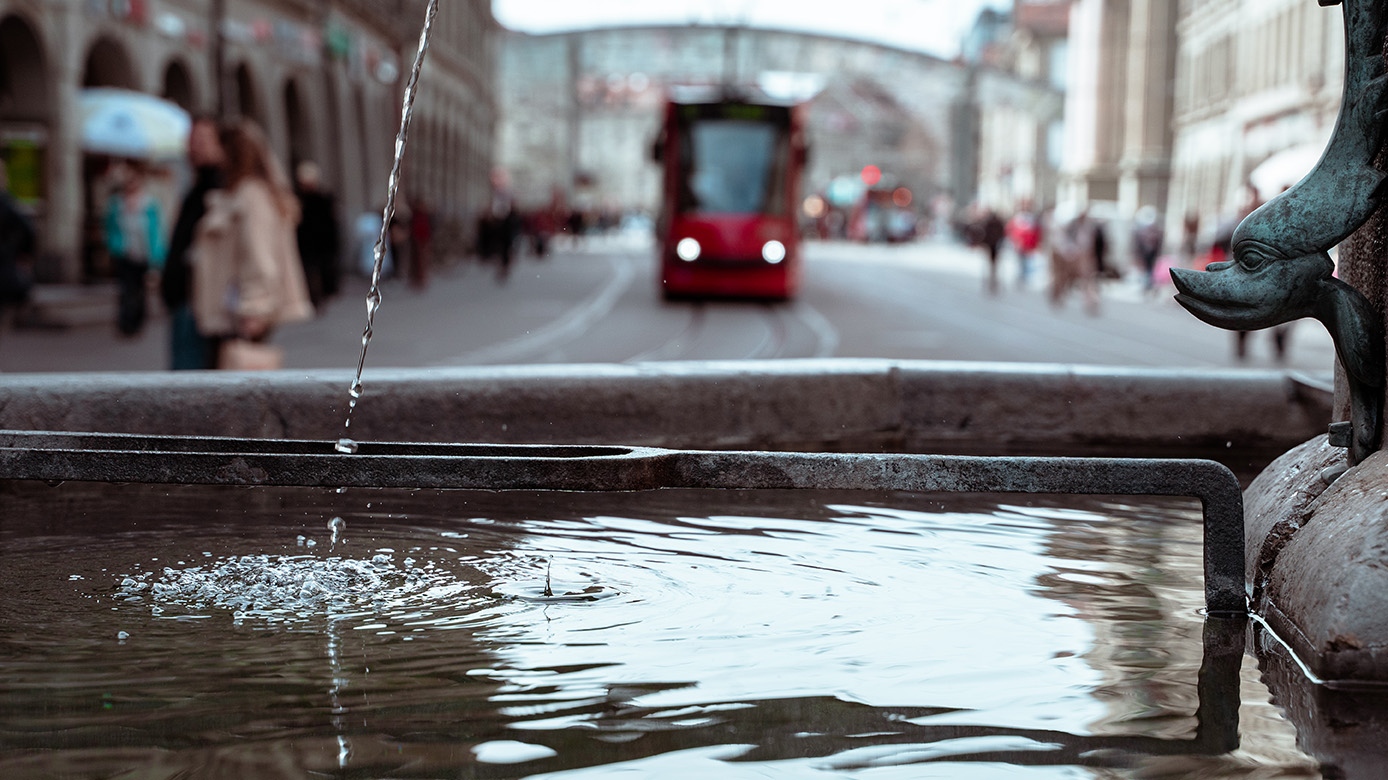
247,276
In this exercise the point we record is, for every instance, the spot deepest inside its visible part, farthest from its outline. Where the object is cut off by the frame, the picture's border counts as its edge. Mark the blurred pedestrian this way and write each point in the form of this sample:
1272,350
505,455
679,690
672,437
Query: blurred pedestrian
248,278
134,241
552,219
17,241
366,233
187,347
1024,232
1147,244
1223,244
499,225
1075,263
987,230
317,233
421,243
398,238
1190,233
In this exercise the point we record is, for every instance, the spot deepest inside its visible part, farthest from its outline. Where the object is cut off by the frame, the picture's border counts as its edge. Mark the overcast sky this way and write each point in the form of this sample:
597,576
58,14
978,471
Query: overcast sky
933,26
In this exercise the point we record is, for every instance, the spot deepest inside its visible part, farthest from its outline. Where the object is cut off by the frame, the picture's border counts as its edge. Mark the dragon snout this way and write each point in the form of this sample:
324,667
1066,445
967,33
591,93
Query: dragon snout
1228,295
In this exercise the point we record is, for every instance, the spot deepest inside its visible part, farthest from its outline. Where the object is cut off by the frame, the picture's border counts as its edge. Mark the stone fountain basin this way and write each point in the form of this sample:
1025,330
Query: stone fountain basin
614,427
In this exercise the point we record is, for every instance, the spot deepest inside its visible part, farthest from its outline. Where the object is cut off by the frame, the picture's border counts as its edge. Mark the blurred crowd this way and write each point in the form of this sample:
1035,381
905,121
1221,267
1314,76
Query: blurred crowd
245,252
243,249
1077,253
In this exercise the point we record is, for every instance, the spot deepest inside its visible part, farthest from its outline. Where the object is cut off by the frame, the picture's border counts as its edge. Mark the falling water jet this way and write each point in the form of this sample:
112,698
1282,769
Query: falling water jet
373,298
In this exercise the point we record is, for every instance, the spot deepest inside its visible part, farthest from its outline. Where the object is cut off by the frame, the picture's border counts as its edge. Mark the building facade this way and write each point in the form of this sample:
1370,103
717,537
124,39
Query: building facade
1119,103
583,108
1021,131
323,77
1254,81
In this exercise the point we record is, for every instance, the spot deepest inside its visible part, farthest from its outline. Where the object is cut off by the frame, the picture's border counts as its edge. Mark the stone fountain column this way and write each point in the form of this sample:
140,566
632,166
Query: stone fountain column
1316,538
1318,545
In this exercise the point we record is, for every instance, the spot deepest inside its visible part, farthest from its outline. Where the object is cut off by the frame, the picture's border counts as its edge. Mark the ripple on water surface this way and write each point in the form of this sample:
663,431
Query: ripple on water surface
412,633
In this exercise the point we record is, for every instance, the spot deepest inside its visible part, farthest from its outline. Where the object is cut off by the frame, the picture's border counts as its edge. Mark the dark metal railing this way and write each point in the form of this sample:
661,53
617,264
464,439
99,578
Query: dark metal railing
102,457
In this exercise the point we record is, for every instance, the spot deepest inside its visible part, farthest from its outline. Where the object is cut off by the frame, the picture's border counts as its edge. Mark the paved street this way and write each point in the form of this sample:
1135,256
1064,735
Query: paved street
599,303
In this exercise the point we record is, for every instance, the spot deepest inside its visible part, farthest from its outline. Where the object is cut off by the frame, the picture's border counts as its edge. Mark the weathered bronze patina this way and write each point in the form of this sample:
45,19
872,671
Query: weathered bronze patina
1281,270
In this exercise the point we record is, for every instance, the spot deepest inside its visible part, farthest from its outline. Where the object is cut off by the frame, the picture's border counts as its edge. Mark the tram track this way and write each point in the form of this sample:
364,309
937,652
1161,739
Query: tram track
706,330
777,321
776,343
678,345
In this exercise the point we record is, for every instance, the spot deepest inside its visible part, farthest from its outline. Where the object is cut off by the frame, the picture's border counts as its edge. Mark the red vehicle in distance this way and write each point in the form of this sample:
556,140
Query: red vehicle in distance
730,190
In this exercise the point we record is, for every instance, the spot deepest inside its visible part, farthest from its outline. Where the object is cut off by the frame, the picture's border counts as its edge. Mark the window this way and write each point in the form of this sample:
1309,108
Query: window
733,166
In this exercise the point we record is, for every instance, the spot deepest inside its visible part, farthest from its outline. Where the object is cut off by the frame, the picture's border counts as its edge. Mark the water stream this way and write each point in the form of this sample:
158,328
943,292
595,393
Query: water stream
373,296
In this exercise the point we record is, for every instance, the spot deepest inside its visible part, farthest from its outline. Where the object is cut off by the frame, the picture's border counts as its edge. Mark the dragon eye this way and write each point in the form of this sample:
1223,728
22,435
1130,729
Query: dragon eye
1251,257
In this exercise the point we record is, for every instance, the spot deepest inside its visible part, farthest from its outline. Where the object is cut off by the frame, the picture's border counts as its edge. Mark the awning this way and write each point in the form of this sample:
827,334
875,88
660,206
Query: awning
125,123
1284,168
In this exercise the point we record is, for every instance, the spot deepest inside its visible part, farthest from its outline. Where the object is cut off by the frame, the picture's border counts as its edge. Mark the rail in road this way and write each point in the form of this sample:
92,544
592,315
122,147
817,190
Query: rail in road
690,330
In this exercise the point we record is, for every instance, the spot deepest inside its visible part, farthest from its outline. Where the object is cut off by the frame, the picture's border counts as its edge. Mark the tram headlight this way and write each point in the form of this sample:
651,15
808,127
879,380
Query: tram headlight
773,252
688,250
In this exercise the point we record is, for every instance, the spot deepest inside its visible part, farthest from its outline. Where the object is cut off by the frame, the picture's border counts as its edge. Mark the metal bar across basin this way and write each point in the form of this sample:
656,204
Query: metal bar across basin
57,456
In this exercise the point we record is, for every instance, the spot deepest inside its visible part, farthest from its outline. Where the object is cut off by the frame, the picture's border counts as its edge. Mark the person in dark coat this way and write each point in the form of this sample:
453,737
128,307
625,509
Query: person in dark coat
188,349
317,234
17,240
987,230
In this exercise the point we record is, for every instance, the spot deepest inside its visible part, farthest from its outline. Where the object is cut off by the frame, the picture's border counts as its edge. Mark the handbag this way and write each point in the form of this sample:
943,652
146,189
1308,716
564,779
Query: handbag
246,355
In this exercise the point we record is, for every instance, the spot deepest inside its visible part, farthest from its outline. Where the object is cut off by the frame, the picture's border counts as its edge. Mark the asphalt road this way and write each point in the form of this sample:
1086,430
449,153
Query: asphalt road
599,304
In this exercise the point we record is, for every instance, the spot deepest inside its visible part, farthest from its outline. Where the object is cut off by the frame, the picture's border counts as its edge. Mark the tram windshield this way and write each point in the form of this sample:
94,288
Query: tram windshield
733,166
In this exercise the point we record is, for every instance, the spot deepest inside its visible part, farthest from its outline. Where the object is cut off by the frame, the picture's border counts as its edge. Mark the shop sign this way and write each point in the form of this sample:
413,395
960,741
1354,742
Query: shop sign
23,156
338,43
170,25
386,71
135,12
235,31
298,43
381,65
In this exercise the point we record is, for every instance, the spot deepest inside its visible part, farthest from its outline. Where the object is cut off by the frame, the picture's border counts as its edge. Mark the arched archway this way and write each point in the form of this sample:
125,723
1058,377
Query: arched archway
24,93
26,105
297,123
108,65
247,96
178,85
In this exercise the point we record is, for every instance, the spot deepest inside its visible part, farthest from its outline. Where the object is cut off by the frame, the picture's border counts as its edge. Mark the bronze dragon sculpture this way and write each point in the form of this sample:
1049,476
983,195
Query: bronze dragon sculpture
1281,269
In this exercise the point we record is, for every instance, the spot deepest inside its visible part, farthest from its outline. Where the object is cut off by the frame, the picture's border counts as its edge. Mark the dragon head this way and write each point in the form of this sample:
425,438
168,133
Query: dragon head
1260,287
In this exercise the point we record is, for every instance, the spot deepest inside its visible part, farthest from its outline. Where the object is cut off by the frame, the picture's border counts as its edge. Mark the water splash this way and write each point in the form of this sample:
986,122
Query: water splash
336,525
298,588
373,298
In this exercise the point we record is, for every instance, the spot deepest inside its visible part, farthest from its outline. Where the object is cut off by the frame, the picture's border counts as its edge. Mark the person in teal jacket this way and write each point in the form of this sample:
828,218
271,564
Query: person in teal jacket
134,242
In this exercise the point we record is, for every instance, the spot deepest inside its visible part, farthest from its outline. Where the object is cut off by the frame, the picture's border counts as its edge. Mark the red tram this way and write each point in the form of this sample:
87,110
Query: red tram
731,188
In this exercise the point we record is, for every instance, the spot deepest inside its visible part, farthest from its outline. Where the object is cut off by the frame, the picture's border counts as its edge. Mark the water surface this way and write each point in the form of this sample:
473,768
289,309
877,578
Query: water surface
222,632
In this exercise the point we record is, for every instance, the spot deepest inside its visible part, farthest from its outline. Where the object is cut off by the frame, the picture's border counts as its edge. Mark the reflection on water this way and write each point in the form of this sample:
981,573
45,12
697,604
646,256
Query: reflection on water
219,632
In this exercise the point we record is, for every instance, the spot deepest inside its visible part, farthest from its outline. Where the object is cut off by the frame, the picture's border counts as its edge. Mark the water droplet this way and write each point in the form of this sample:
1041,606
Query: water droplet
122,635
347,446
53,482
337,525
